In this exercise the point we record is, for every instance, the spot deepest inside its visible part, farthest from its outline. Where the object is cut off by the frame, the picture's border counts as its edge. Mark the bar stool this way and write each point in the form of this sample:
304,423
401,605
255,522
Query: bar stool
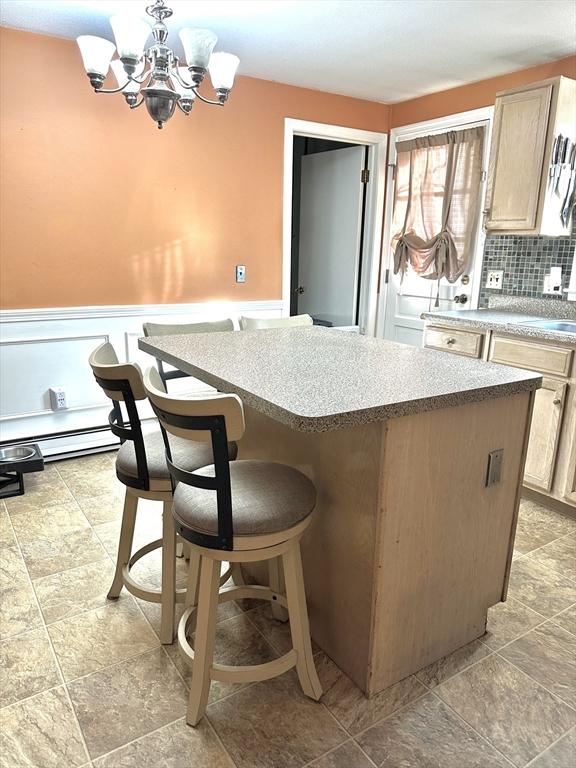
246,511
258,323
172,329
141,467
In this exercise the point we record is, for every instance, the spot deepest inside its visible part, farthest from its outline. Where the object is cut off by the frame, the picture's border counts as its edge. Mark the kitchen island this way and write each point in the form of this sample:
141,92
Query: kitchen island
410,544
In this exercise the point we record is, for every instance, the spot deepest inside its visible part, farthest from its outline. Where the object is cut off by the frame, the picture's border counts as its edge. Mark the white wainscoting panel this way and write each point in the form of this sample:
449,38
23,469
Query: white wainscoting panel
44,348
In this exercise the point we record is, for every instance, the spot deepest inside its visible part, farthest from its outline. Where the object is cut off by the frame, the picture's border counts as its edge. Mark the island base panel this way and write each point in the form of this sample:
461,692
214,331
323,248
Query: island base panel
408,548
445,540
338,549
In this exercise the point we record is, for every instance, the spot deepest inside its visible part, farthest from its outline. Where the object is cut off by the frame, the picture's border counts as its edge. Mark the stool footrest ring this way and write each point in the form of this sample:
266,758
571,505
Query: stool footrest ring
239,674
136,589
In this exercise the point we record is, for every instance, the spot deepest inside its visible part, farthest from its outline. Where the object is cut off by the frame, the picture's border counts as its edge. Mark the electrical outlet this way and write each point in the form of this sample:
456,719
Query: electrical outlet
494,469
553,282
495,279
240,273
58,398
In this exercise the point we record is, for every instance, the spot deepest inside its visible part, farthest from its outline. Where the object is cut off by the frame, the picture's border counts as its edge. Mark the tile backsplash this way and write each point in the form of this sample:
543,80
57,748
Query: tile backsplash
525,261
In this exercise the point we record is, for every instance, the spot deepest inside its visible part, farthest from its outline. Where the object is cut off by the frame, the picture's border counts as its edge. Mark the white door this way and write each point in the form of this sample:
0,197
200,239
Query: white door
406,300
330,235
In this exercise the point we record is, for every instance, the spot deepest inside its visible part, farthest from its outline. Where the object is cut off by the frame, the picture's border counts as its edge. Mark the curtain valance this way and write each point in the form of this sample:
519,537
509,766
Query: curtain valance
436,203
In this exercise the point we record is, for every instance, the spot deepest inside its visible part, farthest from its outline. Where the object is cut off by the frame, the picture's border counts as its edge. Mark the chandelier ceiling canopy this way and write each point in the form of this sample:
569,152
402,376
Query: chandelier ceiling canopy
166,83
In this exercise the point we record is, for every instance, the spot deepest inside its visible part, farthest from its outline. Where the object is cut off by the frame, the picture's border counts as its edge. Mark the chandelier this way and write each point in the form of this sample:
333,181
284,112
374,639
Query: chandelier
166,82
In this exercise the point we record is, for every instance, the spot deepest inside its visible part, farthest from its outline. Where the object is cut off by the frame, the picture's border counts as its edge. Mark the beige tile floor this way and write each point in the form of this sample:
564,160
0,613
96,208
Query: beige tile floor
85,681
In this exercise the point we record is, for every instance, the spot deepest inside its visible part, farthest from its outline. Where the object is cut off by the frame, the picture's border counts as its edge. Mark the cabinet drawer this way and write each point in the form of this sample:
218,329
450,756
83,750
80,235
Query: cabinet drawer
544,358
460,342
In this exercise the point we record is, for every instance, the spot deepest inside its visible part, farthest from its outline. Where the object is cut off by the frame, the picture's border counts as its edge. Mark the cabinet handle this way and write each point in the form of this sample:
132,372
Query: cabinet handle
450,341
557,401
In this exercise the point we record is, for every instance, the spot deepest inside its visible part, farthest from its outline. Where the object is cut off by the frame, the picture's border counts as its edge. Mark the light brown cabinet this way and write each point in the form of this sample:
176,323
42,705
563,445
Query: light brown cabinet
521,194
550,468
545,434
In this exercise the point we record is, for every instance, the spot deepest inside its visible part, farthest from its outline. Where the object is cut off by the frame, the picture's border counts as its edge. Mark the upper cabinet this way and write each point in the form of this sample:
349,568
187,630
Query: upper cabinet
532,158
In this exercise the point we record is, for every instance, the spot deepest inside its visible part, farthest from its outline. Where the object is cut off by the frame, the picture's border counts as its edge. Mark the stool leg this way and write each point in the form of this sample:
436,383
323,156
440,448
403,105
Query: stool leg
299,626
124,544
193,580
237,575
168,575
204,639
275,583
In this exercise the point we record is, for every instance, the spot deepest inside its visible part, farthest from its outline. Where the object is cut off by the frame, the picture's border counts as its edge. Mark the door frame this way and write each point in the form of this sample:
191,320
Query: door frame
377,144
436,125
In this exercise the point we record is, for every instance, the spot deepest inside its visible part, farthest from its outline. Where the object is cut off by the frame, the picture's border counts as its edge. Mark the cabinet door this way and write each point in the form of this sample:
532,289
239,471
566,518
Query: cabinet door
544,434
517,158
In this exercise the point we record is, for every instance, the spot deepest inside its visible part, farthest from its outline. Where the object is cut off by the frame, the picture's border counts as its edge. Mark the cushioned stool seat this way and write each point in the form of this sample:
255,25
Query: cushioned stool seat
266,498
185,454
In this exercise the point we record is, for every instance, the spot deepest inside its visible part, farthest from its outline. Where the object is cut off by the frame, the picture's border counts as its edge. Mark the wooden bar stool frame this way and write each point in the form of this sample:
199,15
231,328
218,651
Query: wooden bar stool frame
208,551
126,386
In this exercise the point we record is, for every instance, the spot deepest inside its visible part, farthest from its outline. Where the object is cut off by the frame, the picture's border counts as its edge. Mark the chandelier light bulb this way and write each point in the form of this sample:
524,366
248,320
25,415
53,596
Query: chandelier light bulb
130,33
222,68
198,46
96,54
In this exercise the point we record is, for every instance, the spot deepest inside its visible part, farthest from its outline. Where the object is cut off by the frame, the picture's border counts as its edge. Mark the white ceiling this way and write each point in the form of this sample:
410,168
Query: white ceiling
383,50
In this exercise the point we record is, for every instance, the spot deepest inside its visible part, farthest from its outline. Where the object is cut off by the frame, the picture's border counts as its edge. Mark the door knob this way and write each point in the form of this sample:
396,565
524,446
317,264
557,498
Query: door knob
461,298
300,289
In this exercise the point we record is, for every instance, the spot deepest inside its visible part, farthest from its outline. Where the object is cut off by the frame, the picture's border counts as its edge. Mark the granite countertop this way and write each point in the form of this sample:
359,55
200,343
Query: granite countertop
318,379
502,320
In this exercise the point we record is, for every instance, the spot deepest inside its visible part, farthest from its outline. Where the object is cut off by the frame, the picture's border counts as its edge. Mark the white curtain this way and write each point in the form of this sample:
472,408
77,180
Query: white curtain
436,203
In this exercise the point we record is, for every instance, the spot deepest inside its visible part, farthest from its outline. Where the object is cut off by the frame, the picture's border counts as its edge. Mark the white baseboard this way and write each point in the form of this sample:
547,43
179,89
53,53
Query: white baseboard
43,348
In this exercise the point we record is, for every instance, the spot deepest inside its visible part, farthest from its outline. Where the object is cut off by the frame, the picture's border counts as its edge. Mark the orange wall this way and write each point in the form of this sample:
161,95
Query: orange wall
99,207
474,95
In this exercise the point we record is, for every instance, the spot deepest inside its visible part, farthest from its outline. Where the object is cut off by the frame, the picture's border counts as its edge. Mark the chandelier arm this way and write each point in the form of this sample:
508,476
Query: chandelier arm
140,79
207,101
174,73
130,79
113,90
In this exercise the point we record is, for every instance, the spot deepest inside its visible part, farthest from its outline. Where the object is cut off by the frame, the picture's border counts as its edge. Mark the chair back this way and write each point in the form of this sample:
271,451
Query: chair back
258,323
217,418
173,329
122,382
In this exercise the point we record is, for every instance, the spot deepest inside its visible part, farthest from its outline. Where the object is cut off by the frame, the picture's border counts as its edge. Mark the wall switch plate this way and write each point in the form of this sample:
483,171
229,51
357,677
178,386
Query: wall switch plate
240,273
58,398
494,471
495,279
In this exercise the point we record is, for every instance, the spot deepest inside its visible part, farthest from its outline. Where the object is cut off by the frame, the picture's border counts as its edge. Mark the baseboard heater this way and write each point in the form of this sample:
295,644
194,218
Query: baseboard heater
74,442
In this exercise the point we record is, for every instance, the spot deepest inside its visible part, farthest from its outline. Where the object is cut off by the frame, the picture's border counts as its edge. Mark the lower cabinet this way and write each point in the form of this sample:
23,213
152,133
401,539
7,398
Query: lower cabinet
545,434
551,456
